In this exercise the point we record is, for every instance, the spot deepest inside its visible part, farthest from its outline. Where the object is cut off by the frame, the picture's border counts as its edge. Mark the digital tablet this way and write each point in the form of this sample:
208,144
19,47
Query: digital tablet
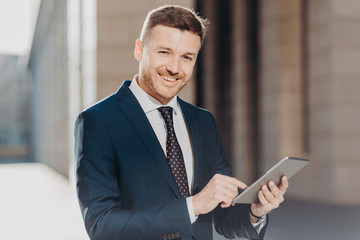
287,166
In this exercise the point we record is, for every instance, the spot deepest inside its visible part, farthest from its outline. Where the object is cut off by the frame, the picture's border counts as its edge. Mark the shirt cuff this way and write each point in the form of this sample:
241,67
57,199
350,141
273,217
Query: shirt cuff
260,224
191,210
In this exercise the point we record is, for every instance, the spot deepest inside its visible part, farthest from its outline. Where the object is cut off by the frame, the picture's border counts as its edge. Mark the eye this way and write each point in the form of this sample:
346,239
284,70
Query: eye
187,58
163,52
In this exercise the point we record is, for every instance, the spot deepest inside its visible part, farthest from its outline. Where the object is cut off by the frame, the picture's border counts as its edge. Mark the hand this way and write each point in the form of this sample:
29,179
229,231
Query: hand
270,196
220,189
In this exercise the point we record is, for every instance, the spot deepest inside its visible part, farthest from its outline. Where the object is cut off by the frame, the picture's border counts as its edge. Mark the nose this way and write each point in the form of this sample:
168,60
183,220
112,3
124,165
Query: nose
173,66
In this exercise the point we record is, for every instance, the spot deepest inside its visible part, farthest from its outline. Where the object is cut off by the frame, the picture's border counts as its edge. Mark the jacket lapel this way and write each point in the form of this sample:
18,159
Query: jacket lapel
133,111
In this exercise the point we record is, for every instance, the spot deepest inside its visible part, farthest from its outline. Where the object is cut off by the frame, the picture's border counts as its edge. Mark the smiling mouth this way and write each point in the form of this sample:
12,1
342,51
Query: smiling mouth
168,78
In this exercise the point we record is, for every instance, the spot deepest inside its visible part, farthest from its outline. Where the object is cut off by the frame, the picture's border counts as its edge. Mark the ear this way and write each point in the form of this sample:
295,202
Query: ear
139,46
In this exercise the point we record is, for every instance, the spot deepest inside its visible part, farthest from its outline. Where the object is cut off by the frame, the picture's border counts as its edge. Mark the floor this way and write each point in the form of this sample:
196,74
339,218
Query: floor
309,221
36,203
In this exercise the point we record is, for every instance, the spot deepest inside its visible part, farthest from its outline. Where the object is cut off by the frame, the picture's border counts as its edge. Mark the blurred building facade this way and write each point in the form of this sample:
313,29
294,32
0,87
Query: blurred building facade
281,77
14,107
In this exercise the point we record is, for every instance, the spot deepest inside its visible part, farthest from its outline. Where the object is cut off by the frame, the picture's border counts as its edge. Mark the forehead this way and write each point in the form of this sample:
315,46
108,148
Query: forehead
174,38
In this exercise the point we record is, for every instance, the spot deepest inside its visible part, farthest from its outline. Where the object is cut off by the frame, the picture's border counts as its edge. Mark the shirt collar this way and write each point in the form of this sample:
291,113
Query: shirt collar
147,102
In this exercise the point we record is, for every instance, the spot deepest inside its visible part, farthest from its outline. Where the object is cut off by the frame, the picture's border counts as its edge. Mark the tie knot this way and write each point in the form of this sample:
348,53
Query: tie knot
166,113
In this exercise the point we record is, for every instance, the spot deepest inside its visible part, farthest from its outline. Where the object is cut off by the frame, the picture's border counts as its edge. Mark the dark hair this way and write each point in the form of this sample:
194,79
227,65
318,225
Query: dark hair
177,17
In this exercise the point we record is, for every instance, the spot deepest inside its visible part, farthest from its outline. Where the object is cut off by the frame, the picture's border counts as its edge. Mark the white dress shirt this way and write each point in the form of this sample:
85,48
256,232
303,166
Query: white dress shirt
150,106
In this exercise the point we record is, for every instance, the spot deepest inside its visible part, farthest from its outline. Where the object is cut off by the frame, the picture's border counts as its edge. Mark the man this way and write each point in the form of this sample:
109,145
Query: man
150,165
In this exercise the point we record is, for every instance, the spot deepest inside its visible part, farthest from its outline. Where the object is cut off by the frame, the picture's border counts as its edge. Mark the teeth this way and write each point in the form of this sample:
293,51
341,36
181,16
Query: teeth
169,79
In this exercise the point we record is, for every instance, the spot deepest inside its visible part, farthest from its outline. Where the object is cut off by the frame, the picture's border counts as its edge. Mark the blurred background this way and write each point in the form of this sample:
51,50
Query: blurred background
282,78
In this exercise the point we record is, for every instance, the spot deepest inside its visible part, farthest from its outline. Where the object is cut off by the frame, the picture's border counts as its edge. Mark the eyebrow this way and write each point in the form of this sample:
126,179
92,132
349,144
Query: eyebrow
169,49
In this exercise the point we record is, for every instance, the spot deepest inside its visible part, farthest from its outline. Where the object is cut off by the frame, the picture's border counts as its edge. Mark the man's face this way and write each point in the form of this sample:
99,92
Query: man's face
167,59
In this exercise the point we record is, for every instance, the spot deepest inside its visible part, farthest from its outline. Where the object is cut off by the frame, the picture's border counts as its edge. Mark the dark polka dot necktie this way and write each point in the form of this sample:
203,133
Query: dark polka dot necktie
173,152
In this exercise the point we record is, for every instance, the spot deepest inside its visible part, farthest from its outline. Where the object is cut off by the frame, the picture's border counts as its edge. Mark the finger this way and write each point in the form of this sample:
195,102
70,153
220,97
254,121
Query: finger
231,186
224,196
239,184
262,198
268,195
271,198
235,182
222,191
265,205
284,184
276,192
225,205
231,180
274,189
219,182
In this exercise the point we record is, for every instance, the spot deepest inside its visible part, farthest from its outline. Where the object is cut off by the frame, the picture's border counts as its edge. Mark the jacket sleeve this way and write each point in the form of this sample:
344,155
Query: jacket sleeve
98,192
232,222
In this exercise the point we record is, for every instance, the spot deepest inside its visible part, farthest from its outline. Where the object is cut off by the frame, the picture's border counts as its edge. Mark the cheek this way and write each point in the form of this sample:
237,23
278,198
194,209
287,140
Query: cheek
148,62
157,61
188,69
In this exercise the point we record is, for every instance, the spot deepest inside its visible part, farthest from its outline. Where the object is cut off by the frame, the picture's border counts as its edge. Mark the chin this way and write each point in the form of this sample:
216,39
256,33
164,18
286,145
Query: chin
168,92
167,96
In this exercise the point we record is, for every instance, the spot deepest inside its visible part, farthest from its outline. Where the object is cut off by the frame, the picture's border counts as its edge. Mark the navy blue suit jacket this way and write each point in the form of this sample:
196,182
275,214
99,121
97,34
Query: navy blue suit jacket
125,186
